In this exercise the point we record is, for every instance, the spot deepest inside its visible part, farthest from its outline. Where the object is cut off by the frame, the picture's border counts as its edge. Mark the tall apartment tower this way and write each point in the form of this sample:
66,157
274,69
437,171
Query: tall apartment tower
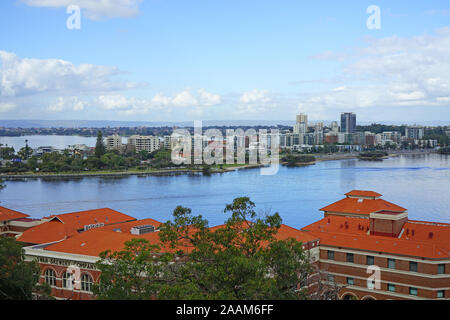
348,122
301,127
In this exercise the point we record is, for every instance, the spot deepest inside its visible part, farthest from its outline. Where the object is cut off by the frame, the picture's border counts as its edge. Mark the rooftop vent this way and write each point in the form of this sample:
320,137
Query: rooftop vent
138,230
360,200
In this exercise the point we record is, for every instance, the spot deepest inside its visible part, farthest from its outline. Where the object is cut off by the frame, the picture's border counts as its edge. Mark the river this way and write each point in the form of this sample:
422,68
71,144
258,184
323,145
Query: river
420,183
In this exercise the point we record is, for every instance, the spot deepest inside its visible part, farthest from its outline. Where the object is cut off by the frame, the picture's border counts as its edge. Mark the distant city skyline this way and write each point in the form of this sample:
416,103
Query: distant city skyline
174,60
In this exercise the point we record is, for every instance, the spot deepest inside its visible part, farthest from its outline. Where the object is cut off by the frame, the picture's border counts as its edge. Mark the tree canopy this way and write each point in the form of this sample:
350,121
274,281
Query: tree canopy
240,260
99,146
18,278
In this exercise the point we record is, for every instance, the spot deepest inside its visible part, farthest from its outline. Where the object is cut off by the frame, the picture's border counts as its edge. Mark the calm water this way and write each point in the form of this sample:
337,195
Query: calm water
419,183
59,142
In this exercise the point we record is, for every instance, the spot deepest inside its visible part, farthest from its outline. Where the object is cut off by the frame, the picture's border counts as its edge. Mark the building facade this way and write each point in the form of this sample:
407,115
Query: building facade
348,122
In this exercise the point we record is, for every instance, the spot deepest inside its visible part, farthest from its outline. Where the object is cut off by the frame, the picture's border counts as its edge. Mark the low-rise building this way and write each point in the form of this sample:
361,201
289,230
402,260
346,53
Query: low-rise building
14,223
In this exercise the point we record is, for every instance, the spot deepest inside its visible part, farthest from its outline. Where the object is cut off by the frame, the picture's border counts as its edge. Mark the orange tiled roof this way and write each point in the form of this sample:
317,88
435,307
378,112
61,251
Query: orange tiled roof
351,232
66,225
125,227
8,214
94,241
362,206
362,193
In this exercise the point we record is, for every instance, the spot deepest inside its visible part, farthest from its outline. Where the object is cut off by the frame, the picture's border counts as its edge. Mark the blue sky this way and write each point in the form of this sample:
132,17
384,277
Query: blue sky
224,60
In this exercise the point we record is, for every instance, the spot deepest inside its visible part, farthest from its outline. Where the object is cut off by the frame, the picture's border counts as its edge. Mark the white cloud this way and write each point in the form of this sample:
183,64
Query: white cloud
255,96
184,99
67,104
159,101
24,76
94,9
396,71
6,106
208,99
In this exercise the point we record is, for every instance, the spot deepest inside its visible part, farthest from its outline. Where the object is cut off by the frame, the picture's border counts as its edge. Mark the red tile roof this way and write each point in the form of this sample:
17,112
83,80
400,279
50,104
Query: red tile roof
8,214
66,225
94,241
351,232
362,206
362,193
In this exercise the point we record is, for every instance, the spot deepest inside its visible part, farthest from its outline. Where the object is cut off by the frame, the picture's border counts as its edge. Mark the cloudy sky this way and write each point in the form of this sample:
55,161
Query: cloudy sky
176,60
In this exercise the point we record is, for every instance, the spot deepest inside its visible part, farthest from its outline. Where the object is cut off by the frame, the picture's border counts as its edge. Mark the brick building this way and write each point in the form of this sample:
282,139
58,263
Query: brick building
412,257
359,237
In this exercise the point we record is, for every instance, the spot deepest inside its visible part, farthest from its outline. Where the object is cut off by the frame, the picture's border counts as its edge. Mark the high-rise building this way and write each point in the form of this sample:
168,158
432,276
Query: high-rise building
348,122
301,127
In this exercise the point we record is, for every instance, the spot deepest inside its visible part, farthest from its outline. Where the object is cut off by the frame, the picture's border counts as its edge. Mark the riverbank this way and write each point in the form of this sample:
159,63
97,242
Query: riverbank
215,169
154,172
355,155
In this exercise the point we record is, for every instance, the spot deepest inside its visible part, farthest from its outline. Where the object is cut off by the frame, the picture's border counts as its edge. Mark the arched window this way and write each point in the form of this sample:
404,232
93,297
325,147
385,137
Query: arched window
67,280
86,282
50,277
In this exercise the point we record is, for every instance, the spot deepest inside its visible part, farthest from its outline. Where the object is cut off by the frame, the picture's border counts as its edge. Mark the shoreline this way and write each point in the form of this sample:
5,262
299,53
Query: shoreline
168,172
162,172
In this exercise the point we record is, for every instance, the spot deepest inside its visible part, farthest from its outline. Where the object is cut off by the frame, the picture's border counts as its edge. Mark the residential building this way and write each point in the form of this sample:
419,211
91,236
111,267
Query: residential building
301,126
414,133
114,142
147,143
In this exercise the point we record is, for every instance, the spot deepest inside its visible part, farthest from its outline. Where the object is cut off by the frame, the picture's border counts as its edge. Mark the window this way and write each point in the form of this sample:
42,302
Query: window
441,294
370,260
441,268
350,281
86,282
391,287
413,291
331,278
67,280
330,255
50,277
391,263
413,266
350,257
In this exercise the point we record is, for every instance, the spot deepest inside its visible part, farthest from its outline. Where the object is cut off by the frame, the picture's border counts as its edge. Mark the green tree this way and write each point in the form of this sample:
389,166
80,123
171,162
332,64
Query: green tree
18,278
99,146
240,260
131,274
